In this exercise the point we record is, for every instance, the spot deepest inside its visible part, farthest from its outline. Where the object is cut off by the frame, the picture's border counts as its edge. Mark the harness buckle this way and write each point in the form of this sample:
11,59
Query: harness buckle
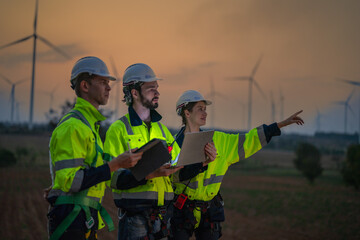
162,210
121,213
90,223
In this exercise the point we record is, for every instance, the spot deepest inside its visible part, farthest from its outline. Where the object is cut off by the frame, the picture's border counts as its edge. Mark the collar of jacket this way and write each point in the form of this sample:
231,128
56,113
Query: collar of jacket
91,114
135,120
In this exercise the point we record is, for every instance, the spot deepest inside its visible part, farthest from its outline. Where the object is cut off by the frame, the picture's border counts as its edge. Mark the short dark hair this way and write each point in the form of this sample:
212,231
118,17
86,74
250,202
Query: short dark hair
188,107
82,77
128,99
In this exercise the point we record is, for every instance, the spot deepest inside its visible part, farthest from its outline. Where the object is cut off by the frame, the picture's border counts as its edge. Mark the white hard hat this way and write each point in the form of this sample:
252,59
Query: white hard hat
91,65
139,72
188,97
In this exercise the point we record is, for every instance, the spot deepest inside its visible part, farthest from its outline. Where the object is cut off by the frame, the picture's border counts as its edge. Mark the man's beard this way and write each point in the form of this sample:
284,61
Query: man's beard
148,104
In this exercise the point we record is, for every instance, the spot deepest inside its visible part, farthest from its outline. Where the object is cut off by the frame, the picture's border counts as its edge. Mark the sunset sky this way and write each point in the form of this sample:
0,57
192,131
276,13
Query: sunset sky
305,44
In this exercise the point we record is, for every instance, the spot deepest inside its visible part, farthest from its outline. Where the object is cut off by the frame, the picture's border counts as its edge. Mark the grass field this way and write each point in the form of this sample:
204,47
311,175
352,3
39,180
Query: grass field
262,201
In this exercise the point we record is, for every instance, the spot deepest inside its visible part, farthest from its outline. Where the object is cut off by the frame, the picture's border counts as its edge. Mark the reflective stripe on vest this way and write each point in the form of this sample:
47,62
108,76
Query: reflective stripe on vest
213,179
58,192
150,195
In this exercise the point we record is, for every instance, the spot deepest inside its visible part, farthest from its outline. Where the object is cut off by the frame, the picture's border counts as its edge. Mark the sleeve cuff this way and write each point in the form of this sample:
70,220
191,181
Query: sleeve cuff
271,130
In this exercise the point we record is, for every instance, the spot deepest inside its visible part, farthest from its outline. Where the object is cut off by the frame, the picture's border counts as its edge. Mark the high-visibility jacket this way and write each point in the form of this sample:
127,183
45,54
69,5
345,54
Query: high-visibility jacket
73,149
128,193
230,149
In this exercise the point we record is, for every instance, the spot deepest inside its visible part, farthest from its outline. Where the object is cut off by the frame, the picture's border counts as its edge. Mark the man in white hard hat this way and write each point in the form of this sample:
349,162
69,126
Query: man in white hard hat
78,166
143,205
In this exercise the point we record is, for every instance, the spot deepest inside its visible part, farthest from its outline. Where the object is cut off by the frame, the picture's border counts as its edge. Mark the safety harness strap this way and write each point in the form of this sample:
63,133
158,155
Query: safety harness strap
80,199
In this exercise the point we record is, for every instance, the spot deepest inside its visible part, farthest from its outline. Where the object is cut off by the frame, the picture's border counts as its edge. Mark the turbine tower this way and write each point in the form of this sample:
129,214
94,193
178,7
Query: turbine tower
272,107
12,94
51,95
318,120
212,95
281,105
356,84
117,94
35,36
252,81
346,107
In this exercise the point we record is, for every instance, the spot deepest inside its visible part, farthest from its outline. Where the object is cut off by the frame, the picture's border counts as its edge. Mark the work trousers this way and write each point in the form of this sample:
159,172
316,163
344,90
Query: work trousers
136,227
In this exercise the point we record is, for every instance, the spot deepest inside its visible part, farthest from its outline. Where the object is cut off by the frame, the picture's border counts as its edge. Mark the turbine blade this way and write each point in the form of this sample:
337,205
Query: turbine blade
21,81
339,102
16,42
54,89
349,81
221,95
256,66
54,47
6,79
349,97
261,91
351,110
36,14
113,65
241,78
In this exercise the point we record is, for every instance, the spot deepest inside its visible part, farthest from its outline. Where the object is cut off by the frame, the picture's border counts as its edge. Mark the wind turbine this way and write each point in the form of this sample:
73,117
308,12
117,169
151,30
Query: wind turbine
212,95
281,105
346,107
356,84
252,81
318,120
17,111
273,110
117,94
35,36
12,94
51,95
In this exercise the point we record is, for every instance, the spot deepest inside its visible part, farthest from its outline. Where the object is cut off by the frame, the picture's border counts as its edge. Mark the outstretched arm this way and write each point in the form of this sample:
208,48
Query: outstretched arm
292,119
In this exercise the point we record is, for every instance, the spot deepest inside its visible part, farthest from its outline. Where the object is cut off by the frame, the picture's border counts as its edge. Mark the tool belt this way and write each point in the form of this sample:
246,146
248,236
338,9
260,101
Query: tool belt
205,207
151,215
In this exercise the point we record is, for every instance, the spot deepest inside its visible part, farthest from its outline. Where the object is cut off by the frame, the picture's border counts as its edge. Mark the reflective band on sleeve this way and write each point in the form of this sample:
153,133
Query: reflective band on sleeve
136,195
261,135
162,130
58,192
127,125
241,150
77,181
69,163
213,179
114,179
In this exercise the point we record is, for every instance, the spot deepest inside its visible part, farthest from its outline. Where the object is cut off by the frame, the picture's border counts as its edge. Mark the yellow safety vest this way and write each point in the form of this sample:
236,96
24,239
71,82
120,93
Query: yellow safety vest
118,135
72,148
230,149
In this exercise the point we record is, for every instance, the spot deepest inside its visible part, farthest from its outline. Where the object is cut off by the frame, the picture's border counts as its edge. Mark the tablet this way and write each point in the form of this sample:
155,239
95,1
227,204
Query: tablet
192,150
155,154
